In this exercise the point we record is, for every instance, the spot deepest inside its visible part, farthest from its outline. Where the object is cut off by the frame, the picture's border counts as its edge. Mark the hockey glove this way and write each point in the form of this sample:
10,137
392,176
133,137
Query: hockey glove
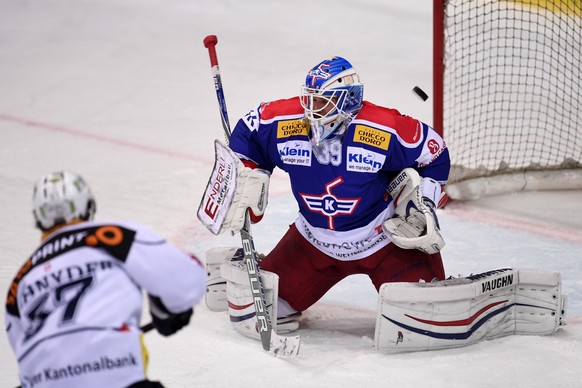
415,224
251,195
233,189
165,322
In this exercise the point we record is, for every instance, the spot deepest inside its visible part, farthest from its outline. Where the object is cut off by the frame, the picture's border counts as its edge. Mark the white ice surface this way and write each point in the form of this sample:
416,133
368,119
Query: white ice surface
121,92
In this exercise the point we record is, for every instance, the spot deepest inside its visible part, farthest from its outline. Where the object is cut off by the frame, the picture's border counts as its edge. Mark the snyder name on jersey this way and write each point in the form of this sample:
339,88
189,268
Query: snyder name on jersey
340,185
73,309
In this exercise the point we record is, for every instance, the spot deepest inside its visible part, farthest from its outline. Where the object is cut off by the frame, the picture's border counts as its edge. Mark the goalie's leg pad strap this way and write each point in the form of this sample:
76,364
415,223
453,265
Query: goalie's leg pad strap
459,312
241,301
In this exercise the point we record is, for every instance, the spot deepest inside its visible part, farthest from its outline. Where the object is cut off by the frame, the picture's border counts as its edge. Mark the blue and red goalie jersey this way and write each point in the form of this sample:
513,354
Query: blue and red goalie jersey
341,184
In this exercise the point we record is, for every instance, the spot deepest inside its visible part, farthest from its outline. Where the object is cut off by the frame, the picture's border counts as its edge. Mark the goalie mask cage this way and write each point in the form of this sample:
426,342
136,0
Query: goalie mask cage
508,94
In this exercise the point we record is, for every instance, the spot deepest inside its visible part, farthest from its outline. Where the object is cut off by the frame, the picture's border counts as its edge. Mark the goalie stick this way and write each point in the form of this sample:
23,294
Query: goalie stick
210,43
277,345
147,327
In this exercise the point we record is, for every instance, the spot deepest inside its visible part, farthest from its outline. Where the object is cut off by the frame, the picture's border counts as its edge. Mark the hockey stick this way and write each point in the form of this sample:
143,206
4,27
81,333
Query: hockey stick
210,43
273,343
147,327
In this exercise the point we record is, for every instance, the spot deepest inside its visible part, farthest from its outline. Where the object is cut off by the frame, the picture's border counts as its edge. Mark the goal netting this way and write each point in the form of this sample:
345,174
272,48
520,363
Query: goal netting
512,94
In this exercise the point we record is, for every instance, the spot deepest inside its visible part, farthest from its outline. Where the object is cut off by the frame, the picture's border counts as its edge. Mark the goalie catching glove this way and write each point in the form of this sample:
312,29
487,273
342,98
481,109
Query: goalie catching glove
232,190
415,224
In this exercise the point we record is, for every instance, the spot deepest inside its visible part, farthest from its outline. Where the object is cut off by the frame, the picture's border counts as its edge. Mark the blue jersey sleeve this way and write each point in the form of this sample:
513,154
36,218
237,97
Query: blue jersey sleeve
405,141
250,140
430,157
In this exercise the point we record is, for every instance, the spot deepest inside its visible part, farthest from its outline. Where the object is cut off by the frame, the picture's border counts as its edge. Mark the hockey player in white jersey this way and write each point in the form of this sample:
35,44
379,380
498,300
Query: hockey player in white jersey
73,309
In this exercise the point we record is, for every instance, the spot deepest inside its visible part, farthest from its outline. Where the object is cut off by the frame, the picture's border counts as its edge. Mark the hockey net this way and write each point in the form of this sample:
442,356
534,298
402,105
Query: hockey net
508,94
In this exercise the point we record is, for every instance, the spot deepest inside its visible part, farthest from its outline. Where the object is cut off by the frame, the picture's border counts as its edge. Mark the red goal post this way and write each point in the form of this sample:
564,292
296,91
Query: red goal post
507,88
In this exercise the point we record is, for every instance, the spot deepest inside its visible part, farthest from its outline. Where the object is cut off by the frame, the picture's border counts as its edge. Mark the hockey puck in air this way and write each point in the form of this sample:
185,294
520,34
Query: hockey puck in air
420,93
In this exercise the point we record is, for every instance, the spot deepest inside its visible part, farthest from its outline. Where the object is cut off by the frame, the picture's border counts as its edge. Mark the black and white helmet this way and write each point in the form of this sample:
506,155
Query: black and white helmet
61,197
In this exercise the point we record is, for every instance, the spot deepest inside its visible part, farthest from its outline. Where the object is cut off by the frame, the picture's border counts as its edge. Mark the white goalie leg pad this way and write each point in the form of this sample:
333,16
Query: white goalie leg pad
241,302
215,297
463,311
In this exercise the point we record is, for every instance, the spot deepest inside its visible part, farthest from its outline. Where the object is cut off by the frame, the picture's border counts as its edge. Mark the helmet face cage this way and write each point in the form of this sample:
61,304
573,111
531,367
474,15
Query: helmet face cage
331,94
61,197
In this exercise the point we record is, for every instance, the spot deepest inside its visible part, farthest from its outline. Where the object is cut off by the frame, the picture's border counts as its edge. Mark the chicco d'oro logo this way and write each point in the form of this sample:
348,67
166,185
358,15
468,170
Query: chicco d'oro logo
372,137
289,128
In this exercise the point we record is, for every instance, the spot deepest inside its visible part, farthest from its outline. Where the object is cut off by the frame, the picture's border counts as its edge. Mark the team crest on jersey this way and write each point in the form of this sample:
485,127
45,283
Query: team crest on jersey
372,137
363,160
296,152
288,128
329,205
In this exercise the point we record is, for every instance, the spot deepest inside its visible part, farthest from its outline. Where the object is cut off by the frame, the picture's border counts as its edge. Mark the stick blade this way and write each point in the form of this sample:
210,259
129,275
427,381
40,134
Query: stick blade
283,346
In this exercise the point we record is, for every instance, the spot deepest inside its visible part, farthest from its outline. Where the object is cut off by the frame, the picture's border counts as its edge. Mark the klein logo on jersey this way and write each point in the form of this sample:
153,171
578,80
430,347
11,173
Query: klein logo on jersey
292,128
295,152
363,160
329,205
372,136
321,72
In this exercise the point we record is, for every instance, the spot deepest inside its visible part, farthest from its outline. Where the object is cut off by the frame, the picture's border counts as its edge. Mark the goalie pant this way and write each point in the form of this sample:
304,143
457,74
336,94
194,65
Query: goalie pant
74,308
306,274
310,276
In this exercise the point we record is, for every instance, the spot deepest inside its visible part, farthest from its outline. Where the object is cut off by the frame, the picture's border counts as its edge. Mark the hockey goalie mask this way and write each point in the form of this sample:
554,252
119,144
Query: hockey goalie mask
61,197
332,94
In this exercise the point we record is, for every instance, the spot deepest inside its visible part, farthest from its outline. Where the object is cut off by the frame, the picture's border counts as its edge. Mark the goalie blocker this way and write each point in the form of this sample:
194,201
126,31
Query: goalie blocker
232,189
459,312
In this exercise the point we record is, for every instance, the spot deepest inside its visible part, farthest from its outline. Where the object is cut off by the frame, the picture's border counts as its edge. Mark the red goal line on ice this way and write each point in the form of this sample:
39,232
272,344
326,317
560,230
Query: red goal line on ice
468,212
